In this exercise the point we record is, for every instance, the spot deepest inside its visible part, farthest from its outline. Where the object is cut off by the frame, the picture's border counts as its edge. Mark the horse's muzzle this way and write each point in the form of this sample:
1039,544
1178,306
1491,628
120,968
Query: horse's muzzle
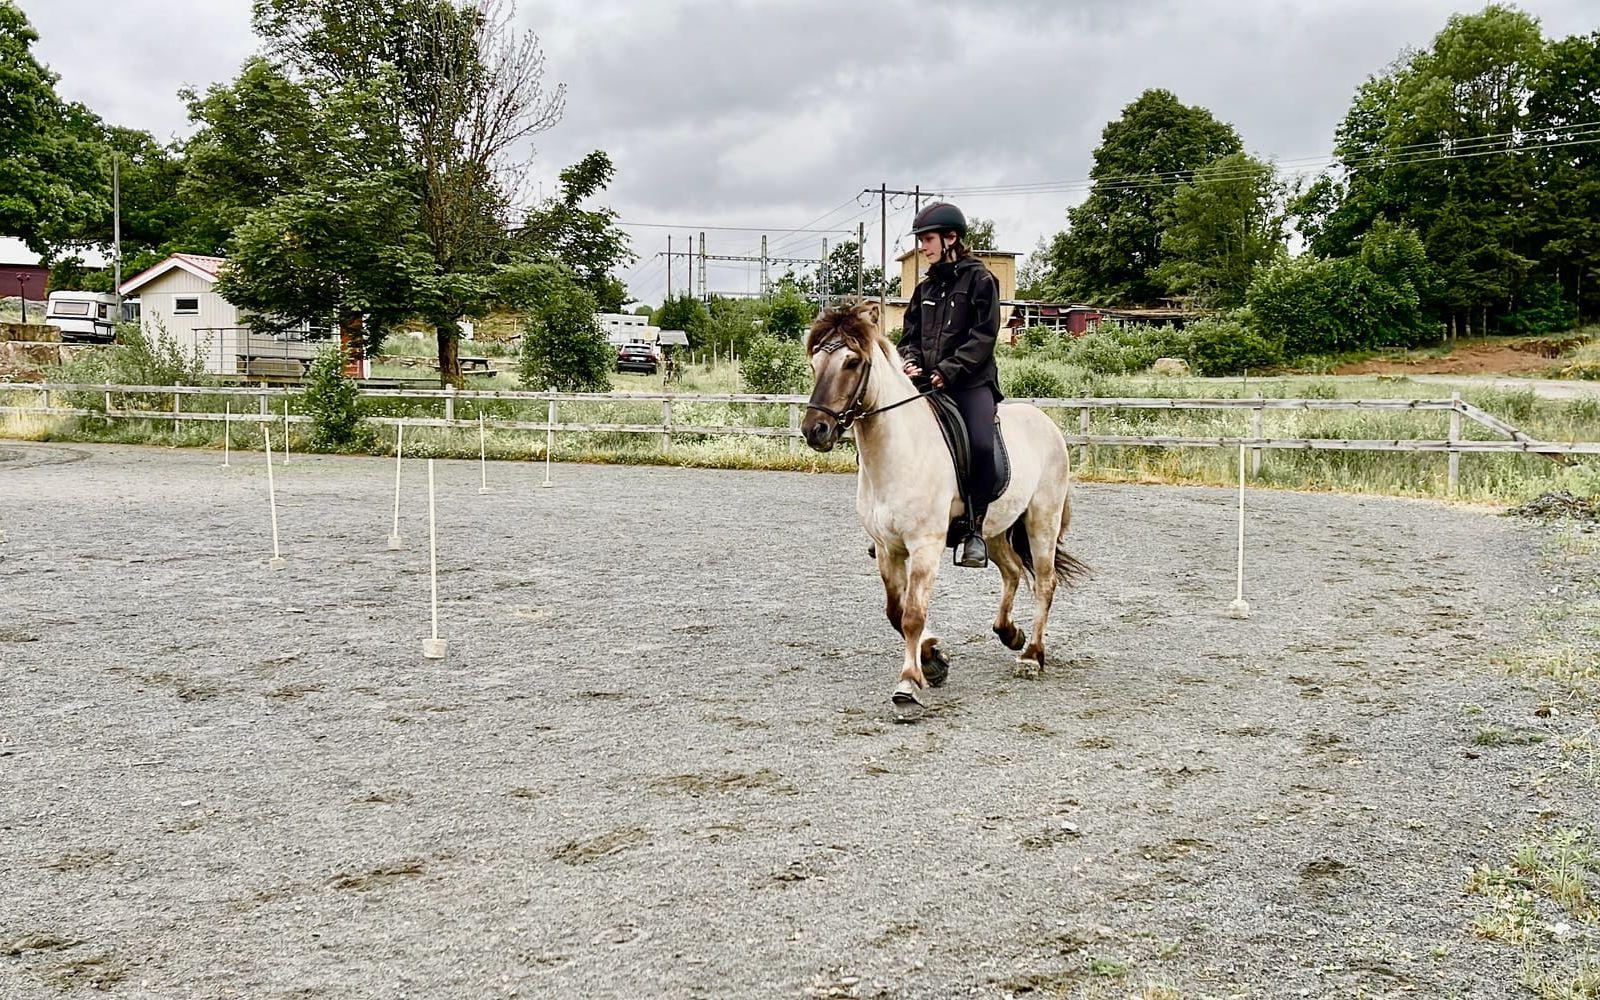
821,432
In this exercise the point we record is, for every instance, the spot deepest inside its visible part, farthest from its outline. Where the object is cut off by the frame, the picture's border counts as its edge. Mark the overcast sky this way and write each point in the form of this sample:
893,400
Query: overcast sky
774,115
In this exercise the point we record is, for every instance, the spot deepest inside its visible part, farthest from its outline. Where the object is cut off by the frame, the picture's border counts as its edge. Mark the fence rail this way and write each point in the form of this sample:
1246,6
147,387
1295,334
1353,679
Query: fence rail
1516,441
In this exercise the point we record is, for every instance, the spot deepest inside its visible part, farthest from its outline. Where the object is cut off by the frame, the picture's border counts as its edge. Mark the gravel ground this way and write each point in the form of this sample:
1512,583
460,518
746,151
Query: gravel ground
659,759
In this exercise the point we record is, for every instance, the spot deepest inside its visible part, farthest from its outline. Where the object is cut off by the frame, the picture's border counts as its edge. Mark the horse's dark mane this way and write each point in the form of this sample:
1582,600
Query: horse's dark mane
850,324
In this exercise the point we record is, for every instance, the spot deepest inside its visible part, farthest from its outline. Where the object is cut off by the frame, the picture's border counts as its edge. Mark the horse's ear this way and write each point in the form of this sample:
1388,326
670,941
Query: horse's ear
868,311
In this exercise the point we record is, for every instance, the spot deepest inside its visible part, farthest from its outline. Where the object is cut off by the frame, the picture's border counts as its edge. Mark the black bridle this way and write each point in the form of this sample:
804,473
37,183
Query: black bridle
850,414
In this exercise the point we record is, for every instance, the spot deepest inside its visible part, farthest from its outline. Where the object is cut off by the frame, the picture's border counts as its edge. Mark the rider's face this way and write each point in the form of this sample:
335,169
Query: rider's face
931,245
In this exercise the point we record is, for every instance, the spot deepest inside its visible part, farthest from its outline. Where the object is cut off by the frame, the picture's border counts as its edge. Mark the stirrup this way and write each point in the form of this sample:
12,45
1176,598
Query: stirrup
972,553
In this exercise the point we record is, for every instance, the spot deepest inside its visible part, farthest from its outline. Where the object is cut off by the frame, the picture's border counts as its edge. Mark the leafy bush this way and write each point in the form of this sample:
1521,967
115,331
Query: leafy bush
1374,299
1229,345
775,366
1121,349
138,359
338,416
1034,381
789,313
563,346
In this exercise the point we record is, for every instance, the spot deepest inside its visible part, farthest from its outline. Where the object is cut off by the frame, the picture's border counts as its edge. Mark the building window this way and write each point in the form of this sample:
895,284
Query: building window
185,305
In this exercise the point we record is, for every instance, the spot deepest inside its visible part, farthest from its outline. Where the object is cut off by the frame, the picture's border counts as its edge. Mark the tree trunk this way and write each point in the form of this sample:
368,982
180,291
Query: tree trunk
449,336
353,342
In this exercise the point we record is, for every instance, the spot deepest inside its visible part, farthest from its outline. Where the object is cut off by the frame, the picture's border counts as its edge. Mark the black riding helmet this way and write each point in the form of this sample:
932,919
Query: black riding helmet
940,217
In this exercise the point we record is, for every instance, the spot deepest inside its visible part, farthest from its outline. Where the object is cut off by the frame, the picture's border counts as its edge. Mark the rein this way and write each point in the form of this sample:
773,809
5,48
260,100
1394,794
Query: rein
850,414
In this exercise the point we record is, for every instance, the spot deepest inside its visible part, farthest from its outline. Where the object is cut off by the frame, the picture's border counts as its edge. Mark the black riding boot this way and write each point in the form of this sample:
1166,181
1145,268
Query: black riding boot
972,553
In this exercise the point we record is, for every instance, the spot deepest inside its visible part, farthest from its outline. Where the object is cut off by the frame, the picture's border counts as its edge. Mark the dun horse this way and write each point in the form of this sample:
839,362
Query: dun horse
907,494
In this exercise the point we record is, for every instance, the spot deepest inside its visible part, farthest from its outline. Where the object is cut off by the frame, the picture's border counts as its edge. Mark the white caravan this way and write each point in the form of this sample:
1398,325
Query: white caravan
88,316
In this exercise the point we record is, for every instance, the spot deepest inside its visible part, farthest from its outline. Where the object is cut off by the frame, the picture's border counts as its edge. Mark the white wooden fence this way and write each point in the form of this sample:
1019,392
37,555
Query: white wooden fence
46,402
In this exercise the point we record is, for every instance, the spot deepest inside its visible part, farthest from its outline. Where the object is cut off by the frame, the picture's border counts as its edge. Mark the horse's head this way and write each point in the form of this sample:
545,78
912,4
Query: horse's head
842,344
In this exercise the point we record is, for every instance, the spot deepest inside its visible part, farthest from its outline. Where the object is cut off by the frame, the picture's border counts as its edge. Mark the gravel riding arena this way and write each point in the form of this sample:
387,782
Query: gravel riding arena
659,758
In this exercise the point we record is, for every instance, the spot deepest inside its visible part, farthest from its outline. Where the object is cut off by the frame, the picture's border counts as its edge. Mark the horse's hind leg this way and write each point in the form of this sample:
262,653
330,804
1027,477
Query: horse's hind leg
1042,529
1005,557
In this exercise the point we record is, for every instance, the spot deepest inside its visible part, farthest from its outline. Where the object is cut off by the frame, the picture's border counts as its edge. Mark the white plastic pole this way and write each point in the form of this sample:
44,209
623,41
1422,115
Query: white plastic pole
1240,608
483,462
276,561
286,432
227,430
397,540
433,648
549,437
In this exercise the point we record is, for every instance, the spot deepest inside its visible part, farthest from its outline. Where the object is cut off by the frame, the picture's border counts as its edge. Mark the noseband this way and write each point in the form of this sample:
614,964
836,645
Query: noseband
850,414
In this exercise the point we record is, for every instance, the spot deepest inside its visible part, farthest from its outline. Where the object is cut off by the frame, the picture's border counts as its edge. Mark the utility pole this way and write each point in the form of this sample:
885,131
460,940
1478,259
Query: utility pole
763,265
116,230
669,266
861,251
822,276
883,256
702,266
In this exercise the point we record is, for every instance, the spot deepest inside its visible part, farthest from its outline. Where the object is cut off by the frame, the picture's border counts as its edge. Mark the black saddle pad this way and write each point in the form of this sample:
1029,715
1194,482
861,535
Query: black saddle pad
954,429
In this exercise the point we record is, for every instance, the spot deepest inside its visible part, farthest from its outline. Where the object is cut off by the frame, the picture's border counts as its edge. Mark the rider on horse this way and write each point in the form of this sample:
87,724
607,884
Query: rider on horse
951,325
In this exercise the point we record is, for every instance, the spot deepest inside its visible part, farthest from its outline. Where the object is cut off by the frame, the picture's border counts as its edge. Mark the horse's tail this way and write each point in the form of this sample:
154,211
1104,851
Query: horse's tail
1069,568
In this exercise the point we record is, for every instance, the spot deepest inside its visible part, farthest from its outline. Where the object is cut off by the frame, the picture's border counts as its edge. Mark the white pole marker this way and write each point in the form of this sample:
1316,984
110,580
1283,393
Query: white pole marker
227,430
396,540
549,438
276,562
483,462
1240,608
433,648
286,432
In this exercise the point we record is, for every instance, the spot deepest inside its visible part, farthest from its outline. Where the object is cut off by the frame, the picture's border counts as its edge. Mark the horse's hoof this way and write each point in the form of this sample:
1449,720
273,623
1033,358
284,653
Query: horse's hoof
935,667
1030,665
1011,636
907,701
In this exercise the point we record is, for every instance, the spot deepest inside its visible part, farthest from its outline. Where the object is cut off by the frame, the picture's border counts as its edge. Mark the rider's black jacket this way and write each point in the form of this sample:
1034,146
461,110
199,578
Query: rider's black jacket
952,322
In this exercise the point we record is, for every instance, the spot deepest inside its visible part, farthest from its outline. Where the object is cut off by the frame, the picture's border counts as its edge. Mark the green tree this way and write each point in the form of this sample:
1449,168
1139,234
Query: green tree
686,313
788,312
463,89
842,263
1565,94
586,240
732,325
338,414
980,234
1412,149
1221,226
50,156
1112,243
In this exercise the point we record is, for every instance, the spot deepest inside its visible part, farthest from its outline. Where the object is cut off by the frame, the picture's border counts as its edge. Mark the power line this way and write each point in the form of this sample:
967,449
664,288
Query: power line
730,229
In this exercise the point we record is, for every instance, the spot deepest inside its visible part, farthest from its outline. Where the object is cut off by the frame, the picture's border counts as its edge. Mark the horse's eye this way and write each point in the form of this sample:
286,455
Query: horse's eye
852,364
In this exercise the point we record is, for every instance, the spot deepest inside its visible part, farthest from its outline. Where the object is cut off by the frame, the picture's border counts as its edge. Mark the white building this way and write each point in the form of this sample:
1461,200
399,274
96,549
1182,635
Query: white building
178,300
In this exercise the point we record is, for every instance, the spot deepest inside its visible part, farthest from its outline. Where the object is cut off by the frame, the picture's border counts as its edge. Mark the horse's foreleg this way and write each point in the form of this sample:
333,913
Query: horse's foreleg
921,568
892,571
1010,564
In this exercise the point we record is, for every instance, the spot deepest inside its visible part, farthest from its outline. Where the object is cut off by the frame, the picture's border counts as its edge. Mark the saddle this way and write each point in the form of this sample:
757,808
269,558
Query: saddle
954,429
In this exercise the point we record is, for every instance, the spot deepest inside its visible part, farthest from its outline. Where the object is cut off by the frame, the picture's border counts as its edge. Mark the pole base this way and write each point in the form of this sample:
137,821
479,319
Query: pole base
485,489
2,534
546,484
433,649
1240,608
276,562
397,542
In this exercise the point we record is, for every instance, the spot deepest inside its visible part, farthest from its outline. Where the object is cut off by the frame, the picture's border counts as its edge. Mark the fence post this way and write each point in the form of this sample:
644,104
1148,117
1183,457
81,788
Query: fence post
450,402
176,408
47,397
1255,432
1083,428
666,425
263,402
1455,436
794,426
108,398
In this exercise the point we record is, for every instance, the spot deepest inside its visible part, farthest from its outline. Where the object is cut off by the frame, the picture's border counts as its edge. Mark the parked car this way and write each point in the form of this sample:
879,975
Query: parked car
638,358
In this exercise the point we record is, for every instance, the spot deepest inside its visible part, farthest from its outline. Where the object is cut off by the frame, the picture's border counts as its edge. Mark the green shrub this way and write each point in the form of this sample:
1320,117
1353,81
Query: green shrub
1121,349
1229,345
1542,310
137,359
333,400
562,344
775,366
1034,381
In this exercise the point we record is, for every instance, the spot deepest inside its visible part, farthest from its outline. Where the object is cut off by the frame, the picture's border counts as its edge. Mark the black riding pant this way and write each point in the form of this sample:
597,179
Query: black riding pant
977,406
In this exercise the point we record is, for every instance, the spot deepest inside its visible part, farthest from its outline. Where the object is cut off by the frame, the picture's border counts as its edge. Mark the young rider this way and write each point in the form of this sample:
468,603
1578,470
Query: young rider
951,325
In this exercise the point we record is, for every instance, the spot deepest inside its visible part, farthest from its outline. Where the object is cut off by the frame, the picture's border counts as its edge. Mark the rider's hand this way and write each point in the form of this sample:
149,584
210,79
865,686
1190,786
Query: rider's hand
937,380
912,369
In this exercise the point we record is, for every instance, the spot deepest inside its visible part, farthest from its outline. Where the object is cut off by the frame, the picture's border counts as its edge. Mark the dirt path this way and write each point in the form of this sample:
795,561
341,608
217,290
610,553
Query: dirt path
658,760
